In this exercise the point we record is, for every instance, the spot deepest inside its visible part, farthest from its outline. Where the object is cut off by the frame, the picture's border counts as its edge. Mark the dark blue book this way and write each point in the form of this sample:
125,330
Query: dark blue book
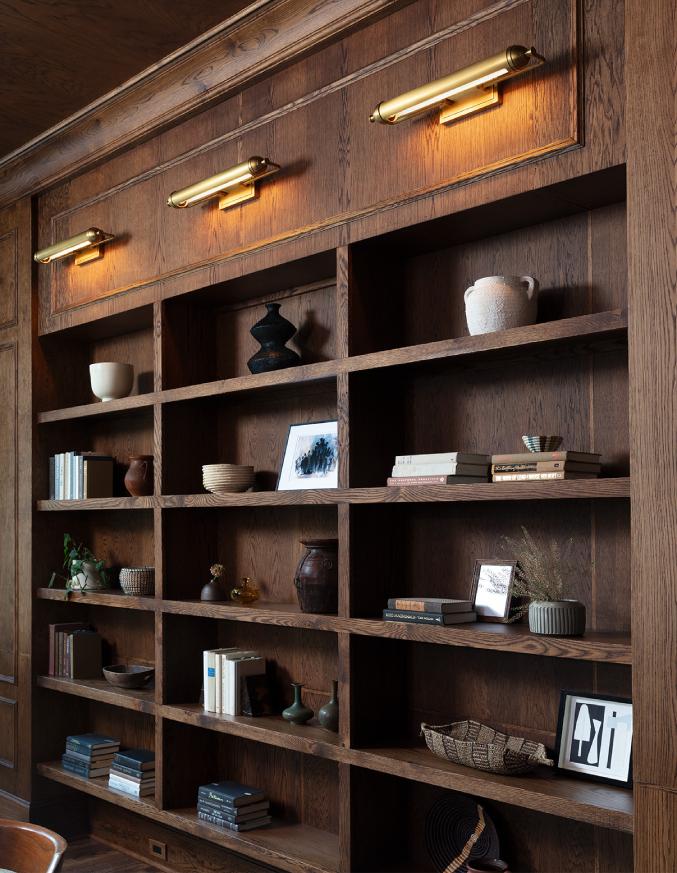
234,814
245,826
93,742
129,771
80,769
231,793
139,759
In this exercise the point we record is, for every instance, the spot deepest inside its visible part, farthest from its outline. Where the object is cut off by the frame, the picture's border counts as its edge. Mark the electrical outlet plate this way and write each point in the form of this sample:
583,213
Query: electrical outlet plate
157,849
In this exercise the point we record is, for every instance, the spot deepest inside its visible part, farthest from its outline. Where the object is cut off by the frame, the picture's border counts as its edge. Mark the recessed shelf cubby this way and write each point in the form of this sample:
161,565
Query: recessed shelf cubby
263,543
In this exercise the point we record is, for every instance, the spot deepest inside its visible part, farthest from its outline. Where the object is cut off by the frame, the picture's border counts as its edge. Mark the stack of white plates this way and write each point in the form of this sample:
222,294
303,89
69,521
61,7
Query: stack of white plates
219,478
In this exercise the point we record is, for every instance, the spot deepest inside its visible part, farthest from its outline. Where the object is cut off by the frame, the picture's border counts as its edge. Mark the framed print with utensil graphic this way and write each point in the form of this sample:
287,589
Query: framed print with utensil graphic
594,737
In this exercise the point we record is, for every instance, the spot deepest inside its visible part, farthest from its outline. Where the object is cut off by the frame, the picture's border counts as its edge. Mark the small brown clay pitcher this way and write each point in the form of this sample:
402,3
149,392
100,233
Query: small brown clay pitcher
317,577
139,477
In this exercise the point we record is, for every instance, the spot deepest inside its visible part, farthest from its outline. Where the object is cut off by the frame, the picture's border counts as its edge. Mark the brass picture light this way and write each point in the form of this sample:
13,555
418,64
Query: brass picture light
85,245
232,186
468,90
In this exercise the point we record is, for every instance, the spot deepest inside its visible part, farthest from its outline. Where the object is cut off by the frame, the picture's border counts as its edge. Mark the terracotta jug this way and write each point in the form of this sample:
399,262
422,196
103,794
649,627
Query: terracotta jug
139,476
500,302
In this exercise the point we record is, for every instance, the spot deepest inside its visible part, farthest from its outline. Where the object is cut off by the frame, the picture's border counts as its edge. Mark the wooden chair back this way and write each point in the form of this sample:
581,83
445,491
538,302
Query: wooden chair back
29,848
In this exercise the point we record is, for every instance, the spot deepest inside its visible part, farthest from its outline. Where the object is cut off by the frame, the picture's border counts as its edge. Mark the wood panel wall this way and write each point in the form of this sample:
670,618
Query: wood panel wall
338,170
15,505
651,43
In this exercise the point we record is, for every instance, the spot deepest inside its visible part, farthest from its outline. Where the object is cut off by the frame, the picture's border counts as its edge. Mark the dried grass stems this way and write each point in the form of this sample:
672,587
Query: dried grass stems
540,572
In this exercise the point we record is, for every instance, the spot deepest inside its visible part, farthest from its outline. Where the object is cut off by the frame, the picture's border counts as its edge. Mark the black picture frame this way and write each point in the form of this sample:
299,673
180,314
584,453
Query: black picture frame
568,771
484,562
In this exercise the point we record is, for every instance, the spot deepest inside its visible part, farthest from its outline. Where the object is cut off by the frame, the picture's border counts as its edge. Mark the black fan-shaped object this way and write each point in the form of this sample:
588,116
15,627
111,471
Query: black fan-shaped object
458,829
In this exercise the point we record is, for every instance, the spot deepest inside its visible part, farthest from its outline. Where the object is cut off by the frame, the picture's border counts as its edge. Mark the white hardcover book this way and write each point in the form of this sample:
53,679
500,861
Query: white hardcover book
209,678
228,678
67,476
58,476
444,458
448,469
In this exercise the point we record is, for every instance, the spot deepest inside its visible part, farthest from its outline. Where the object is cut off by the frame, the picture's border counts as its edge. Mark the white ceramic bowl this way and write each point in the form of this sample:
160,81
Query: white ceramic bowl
110,381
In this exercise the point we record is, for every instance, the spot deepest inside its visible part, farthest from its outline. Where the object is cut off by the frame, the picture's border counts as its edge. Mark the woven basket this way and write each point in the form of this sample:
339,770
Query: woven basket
483,748
137,580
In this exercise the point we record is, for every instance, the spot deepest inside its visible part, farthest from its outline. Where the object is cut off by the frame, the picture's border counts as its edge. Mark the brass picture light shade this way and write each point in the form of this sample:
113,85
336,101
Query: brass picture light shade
232,186
85,246
465,91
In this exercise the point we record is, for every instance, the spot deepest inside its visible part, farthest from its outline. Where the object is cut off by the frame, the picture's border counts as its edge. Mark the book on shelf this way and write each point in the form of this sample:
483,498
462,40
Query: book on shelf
230,794
403,481
209,676
140,760
541,477
83,654
535,457
256,696
140,778
81,768
444,458
235,667
547,467
245,826
55,644
80,475
429,604
127,787
235,814
100,758
91,742
440,618
225,676
450,469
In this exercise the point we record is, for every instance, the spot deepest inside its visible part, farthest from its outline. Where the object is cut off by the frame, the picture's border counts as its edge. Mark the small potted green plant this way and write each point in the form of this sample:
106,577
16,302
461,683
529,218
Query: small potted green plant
540,589
84,571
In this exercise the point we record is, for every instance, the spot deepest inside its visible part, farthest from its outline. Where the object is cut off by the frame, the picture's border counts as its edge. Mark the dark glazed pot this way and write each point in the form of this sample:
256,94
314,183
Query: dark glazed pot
316,578
139,476
297,713
328,715
273,331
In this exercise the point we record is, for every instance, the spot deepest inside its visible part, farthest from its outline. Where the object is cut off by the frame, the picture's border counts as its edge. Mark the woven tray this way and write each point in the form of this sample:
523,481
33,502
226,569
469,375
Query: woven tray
484,748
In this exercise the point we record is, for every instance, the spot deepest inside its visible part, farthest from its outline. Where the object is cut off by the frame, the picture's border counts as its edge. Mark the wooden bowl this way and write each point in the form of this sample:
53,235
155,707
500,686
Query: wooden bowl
132,676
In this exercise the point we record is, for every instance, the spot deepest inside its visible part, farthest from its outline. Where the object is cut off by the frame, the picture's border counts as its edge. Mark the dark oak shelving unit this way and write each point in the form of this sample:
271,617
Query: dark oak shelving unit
396,366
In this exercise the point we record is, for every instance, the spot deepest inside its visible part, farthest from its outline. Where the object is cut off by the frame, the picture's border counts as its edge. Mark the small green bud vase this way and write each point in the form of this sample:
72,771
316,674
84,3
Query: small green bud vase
328,716
297,713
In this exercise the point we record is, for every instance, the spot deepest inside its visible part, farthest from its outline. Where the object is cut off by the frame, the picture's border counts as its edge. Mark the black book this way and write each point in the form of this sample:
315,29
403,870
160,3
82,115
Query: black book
245,826
429,617
239,814
138,759
230,793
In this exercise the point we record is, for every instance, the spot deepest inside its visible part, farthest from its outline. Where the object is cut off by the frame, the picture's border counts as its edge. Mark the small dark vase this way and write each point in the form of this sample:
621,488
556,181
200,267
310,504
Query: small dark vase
328,716
297,713
273,331
316,577
213,590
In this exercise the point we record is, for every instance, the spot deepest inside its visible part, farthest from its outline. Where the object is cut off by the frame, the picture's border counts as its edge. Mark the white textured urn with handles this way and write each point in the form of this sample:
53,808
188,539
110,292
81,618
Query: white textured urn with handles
500,302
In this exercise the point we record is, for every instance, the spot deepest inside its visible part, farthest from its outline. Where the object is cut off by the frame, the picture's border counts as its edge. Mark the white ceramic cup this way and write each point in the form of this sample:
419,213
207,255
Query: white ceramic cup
110,381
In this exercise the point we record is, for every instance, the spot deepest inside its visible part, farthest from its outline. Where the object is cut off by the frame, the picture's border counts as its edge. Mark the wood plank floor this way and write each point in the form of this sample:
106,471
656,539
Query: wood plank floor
90,856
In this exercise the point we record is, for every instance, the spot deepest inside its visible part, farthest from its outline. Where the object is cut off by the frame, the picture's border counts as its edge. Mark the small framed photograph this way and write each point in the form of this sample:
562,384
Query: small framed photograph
491,591
594,737
311,457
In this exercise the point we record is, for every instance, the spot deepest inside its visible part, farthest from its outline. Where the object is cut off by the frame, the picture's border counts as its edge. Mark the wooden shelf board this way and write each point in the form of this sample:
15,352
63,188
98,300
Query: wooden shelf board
99,689
114,598
94,410
568,489
96,503
293,847
614,648
281,614
311,739
598,324
606,806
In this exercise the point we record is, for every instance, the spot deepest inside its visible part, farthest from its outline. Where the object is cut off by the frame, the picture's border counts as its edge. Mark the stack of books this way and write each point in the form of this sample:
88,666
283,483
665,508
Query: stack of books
445,468
89,755
430,610
132,771
233,805
544,466
224,670
80,475
74,651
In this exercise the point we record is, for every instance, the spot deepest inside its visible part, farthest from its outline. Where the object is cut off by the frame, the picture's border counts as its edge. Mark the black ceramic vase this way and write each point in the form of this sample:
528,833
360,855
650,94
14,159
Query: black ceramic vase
273,331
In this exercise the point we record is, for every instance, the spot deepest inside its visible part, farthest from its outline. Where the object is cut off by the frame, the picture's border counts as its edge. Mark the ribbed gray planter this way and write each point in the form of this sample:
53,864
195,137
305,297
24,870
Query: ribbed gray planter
560,618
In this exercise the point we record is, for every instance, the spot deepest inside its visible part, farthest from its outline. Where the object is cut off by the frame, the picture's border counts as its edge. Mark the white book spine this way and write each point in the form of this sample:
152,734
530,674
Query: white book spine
444,458
209,672
218,682
59,468
449,469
